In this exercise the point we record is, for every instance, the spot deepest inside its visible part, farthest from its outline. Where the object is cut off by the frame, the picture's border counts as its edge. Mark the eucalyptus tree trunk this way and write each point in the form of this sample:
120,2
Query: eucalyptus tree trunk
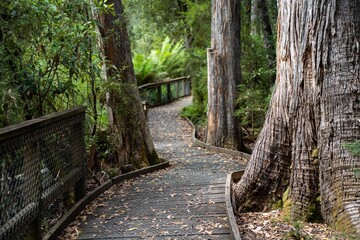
130,134
254,16
260,18
264,17
223,129
314,111
183,9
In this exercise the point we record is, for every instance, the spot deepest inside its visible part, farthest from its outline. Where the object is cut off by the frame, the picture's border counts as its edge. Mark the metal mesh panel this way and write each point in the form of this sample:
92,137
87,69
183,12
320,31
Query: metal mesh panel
19,182
62,158
39,162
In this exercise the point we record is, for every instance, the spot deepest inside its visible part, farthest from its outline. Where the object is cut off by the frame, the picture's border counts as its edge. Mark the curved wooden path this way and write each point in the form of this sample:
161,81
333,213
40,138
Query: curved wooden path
185,201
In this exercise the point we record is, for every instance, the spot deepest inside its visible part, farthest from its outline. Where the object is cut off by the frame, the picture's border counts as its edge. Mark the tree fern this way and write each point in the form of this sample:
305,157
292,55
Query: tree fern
168,61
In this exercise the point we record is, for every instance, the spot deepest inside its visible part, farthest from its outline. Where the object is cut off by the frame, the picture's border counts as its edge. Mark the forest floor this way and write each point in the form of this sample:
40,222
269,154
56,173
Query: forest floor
271,226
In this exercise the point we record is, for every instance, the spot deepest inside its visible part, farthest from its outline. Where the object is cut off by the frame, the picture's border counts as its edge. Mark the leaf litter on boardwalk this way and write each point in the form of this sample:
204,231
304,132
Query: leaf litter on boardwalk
181,157
73,232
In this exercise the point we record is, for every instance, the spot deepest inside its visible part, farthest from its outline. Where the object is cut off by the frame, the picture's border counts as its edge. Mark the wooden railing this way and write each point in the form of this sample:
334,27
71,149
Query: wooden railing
41,162
165,91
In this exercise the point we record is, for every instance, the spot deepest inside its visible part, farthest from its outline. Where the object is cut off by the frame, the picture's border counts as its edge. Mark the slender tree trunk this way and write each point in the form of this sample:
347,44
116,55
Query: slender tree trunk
183,9
223,129
254,16
130,134
245,15
315,109
267,30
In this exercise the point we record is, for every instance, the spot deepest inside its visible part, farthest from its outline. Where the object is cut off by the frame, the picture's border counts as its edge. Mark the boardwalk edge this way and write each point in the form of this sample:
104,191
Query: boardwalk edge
71,215
197,143
229,179
228,202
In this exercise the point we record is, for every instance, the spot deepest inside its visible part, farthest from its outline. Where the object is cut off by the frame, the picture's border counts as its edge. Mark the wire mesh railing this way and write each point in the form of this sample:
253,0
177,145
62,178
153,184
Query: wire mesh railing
42,164
166,91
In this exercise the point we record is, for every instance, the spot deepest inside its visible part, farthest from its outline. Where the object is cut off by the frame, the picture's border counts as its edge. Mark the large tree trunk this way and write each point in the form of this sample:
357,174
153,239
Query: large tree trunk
223,129
130,134
314,111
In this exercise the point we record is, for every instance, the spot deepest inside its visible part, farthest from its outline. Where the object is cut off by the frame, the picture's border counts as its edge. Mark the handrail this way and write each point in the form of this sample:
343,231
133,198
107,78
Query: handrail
22,127
163,82
165,91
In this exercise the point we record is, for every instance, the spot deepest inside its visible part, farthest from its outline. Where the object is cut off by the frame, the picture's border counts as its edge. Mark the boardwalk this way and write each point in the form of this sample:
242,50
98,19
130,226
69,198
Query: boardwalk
185,201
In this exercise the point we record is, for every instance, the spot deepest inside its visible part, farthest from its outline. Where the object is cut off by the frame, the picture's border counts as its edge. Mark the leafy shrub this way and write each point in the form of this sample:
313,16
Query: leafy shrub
253,106
168,61
195,113
46,48
257,83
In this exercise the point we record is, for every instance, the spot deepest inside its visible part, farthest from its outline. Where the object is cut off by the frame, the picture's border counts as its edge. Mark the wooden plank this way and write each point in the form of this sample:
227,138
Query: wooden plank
79,206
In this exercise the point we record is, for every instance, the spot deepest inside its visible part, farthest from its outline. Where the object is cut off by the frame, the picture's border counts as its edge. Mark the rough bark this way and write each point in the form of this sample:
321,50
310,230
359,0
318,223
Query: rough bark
314,111
130,134
223,129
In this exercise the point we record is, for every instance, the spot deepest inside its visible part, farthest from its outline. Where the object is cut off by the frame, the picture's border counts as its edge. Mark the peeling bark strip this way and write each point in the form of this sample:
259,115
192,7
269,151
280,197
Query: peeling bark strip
315,109
130,134
223,129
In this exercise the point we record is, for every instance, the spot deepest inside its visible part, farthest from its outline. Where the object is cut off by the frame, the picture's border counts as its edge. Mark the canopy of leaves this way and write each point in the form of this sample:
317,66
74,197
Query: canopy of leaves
46,57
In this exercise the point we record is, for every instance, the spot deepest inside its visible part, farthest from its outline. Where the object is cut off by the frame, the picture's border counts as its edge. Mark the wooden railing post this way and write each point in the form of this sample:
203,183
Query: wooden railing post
78,157
30,191
159,94
188,87
178,89
34,229
183,82
168,90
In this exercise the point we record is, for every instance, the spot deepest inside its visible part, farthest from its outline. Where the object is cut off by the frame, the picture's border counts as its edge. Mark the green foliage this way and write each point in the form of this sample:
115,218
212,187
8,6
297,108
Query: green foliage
46,54
296,233
258,77
197,20
102,6
253,106
121,92
195,114
185,20
50,61
149,22
354,149
168,61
